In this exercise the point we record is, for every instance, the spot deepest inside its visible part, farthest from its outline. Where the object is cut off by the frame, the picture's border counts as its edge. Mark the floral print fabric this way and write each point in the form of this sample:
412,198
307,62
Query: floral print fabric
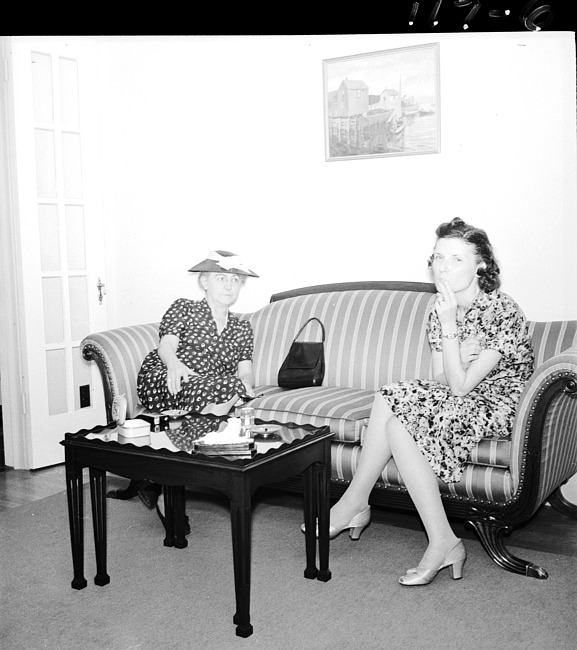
447,427
215,357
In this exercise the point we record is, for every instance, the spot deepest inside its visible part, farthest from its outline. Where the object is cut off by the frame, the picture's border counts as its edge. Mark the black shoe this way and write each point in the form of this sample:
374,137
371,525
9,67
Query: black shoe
149,493
163,520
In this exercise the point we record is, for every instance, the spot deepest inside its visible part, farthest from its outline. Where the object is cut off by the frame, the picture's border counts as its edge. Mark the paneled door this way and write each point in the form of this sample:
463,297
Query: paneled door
58,249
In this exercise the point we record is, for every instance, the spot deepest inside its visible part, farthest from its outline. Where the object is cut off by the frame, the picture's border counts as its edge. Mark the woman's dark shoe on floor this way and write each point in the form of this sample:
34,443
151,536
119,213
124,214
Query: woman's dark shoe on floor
148,493
163,520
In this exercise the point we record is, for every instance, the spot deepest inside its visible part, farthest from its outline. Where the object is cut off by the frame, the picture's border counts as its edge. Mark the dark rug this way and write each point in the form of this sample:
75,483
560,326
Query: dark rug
162,597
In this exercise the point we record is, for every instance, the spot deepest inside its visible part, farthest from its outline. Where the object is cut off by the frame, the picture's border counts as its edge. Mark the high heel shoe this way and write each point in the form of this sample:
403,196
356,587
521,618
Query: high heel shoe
355,526
162,518
455,559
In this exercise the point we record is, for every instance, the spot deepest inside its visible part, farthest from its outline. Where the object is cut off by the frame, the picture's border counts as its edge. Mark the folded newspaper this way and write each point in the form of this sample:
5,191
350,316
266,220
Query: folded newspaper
227,442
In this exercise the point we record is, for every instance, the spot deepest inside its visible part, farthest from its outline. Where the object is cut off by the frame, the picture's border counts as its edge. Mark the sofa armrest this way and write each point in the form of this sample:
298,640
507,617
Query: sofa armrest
119,353
544,439
93,352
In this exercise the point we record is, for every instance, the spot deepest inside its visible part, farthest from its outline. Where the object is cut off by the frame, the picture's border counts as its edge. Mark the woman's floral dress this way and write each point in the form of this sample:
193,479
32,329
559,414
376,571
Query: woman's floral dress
447,427
215,357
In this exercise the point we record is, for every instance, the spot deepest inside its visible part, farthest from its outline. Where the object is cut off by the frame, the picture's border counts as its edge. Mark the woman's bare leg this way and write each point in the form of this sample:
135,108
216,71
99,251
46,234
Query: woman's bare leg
422,484
387,437
375,454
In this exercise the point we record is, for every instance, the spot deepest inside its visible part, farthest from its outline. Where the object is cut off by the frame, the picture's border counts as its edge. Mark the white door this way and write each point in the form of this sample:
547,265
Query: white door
58,249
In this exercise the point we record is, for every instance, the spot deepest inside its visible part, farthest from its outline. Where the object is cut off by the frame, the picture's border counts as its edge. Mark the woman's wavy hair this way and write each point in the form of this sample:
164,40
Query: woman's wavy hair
488,272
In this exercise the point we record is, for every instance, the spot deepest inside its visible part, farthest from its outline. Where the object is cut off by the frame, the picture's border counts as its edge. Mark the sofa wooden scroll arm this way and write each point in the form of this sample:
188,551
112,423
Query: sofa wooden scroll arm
550,425
94,352
557,499
568,380
546,436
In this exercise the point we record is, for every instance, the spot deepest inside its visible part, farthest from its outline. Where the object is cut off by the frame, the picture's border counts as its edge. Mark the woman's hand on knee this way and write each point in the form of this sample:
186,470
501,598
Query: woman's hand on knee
177,374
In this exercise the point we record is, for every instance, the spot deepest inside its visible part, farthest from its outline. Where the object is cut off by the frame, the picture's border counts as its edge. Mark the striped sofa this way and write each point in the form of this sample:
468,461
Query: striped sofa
375,335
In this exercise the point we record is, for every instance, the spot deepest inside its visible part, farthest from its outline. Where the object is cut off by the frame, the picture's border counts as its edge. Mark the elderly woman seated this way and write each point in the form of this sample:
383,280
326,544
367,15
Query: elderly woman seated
203,363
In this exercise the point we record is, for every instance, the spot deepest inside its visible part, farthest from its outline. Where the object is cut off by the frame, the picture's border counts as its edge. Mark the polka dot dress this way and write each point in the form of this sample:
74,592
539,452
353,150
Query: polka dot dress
215,357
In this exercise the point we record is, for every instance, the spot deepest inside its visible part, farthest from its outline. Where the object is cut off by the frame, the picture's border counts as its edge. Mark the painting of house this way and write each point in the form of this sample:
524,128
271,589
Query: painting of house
382,103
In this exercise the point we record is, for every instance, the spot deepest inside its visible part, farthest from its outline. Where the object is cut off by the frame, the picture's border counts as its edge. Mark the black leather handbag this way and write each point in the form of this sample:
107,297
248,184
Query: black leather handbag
305,362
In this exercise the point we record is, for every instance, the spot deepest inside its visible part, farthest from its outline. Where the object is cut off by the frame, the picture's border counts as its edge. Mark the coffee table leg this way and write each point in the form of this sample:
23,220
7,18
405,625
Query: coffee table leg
174,513
240,519
310,510
75,515
98,498
322,482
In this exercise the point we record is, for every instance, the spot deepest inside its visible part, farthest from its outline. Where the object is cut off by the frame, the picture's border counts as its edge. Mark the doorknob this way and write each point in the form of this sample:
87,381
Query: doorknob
101,290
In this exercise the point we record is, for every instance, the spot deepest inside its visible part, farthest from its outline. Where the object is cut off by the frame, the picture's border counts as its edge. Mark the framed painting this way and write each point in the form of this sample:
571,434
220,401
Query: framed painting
382,103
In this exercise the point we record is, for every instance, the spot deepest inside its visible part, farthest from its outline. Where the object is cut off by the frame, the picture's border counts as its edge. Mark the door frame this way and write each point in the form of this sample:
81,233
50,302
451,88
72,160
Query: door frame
15,422
21,416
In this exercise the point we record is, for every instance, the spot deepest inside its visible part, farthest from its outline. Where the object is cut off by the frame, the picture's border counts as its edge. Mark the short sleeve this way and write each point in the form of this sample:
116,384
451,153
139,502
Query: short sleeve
245,341
174,320
434,331
503,327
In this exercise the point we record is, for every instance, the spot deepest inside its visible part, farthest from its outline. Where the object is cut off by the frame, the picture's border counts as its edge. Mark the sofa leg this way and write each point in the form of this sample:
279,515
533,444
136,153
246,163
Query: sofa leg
490,532
560,503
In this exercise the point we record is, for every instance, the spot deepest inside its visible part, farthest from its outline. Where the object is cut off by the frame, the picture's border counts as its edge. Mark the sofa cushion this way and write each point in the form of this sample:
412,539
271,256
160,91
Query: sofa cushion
479,483
495,452
345,410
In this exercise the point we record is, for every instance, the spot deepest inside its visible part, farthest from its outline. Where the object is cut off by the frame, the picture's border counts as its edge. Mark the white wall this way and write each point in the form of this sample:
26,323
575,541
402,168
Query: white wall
218,142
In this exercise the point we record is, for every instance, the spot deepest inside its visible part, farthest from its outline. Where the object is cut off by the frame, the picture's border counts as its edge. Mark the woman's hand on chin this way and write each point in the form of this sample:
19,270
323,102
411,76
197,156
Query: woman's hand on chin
446,303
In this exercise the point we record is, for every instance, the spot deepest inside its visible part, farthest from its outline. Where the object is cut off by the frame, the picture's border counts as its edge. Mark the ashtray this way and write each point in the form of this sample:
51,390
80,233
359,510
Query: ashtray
175,414
266,432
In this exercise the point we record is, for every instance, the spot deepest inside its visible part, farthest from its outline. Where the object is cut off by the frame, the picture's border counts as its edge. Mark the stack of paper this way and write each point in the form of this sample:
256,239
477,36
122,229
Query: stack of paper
227,442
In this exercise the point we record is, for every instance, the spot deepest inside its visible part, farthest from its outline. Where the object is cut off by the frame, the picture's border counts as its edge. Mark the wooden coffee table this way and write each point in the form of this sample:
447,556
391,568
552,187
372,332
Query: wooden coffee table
301,450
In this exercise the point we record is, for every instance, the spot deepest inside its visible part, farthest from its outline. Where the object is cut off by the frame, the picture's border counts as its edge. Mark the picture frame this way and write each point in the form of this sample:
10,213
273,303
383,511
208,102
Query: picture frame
382,104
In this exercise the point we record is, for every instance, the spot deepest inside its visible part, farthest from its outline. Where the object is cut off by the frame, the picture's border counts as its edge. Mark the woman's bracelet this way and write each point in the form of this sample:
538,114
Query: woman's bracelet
451,335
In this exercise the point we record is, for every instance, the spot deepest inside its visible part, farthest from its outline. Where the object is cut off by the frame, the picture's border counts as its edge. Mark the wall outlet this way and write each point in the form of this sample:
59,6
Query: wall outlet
84,396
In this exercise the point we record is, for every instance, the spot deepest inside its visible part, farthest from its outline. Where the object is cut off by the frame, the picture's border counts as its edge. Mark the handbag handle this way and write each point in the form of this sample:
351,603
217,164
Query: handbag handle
306,323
